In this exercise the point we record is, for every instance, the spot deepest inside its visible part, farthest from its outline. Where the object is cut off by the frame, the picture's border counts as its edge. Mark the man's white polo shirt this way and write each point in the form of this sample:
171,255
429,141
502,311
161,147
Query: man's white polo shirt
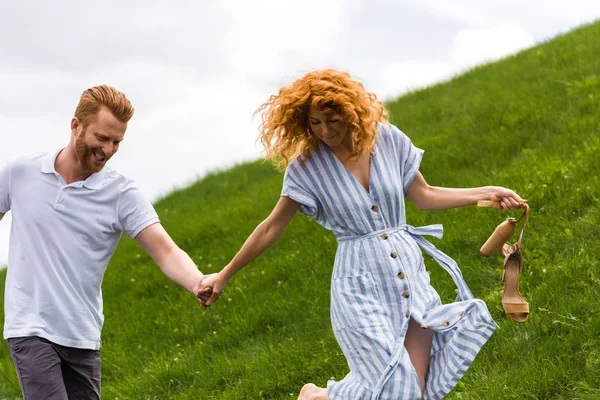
61,241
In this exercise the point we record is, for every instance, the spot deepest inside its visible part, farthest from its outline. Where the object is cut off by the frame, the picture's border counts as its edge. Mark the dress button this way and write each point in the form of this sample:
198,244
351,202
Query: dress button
375,208
407,314
384,236
405,294
445,323
394,254
461,313
424,326
401,275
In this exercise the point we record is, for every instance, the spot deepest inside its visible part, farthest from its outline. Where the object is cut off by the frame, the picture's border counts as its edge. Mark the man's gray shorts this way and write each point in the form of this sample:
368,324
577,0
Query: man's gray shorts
48,371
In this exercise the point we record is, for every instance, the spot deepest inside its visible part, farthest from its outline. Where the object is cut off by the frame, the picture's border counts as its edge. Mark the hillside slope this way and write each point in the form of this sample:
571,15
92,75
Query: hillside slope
530,122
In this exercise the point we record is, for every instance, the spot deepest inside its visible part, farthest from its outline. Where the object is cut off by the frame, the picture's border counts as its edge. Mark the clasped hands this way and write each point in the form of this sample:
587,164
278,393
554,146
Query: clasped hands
211,288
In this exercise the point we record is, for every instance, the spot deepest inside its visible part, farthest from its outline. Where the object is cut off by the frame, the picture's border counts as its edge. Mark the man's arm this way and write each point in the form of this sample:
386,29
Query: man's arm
173,261
1,215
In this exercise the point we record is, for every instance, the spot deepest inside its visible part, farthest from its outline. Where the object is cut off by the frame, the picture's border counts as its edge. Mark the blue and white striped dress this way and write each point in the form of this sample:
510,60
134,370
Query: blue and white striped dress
379,279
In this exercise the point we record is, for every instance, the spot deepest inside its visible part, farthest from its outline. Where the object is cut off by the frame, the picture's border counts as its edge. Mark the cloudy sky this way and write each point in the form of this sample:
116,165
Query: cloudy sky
197,70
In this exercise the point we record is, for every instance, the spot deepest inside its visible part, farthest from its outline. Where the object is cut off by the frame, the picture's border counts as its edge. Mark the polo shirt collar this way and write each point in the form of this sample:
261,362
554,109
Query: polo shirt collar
94,181
48,162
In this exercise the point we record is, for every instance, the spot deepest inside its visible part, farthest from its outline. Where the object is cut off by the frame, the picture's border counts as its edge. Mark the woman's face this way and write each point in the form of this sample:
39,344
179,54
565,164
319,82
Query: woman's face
330,129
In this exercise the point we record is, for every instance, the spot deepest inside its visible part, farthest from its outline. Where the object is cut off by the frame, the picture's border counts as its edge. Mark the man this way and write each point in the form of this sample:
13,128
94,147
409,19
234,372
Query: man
69,211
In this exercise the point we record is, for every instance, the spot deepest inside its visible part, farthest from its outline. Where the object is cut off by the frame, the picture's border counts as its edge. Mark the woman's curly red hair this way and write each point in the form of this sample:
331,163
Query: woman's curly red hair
285,132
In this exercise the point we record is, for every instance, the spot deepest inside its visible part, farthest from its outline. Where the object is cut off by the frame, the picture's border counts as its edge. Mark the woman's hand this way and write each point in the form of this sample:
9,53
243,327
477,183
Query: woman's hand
507,198
211,288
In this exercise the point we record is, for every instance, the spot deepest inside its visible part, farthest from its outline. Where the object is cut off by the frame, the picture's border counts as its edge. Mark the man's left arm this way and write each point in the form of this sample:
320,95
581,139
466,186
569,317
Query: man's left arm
173,261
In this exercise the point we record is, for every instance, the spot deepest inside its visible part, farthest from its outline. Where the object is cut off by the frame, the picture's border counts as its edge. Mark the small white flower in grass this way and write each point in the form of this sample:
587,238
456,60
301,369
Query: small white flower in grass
199,257
176,359
138,255
209,265
132,279
214,332
544,270
229,299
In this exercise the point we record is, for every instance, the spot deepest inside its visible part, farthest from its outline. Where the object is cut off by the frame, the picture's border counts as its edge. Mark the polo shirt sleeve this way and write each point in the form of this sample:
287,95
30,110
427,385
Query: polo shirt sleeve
135,210
5,178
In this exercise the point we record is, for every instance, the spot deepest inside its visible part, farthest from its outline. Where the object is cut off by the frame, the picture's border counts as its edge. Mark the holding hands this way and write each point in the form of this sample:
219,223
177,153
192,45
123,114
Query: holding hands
211,288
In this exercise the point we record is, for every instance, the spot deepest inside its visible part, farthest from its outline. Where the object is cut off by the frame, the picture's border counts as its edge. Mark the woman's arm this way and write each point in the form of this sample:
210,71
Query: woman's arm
263,237
427,197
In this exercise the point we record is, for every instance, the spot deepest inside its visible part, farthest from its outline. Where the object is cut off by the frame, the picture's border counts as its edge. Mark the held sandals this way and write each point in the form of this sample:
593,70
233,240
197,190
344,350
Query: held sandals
514,305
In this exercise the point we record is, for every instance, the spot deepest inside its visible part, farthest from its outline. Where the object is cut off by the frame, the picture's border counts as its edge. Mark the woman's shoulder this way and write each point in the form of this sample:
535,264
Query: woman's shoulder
390,132
306,160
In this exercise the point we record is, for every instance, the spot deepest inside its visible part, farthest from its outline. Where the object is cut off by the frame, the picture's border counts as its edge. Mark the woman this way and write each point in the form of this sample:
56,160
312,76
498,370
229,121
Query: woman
350,170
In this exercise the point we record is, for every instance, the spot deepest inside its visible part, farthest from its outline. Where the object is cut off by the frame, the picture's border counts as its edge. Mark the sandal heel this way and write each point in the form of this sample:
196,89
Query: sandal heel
501,235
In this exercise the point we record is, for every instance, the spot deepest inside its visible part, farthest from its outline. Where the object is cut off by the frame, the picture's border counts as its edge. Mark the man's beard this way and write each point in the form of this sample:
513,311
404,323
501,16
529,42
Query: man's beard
84,153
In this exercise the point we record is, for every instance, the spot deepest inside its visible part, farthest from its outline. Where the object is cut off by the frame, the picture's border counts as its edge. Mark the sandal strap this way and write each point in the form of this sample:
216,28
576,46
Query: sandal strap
523,218
514,308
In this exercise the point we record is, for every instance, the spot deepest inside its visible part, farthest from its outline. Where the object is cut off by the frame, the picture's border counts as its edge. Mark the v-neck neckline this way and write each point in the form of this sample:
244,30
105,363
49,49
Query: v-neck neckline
368,191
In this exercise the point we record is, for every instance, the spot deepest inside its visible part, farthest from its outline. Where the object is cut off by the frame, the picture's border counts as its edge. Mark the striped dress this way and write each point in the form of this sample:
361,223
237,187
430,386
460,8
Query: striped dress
379,279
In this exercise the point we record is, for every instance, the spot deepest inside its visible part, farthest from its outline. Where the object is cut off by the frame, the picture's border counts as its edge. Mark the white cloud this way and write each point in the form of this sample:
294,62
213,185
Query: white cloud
542,18
409,75
473,46
263,36
470,47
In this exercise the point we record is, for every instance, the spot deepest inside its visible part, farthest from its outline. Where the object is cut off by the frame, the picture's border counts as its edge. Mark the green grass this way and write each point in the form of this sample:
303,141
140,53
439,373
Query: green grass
530,122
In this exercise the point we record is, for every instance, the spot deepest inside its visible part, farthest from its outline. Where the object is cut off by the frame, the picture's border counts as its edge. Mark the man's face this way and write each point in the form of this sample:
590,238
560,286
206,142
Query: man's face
97,142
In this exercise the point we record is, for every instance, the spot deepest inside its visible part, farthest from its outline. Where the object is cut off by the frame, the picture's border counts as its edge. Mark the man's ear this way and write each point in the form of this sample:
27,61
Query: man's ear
75,126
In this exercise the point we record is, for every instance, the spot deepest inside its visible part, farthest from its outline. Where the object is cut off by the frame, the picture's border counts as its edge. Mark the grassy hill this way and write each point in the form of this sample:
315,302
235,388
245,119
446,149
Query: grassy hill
530,122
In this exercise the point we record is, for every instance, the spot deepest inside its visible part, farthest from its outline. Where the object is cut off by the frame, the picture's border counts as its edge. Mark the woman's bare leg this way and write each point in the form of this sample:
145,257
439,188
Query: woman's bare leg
418,344
313,392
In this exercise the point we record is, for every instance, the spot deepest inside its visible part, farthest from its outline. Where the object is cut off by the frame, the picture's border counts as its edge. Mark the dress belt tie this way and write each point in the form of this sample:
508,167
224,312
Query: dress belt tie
436,230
